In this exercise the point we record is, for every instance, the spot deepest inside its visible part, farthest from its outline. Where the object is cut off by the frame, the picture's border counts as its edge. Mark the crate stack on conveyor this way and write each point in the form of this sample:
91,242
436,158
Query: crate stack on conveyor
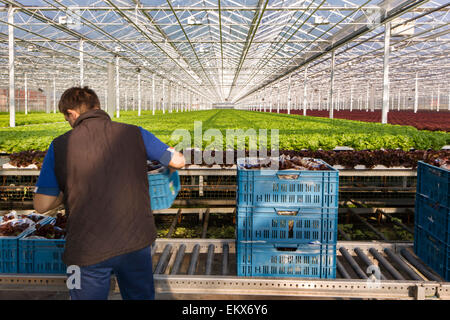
432,215
40,255
10,253
286,222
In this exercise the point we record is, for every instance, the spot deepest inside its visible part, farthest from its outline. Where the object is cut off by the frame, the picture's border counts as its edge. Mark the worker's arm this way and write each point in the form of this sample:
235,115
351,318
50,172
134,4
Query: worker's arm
43,203
159,151
48,195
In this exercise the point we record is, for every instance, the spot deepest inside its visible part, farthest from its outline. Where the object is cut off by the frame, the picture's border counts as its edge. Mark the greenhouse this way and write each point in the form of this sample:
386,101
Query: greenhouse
293,149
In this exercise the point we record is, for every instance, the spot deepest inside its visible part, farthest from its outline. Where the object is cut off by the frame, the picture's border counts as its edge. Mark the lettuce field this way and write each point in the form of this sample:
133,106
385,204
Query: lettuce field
295,132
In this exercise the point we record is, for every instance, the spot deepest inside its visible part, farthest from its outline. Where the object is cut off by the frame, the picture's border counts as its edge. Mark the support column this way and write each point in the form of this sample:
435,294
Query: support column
153,95
372,98
134,101
105,100
404,101
163,98
338,99
367,98
48,97
271,99
126,101
81,63
12,97
170,96
139,95
387,40
54,94
278,99
320,101
117,88
438,99
110,107
261,99
416,93
331,84
304,92
289,97
351,98
26,94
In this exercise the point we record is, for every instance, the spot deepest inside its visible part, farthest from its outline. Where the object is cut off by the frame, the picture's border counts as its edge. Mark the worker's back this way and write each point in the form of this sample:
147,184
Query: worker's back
101,167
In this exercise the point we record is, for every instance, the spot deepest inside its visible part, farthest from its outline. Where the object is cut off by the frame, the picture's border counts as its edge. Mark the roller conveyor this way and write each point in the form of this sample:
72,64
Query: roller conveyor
206,268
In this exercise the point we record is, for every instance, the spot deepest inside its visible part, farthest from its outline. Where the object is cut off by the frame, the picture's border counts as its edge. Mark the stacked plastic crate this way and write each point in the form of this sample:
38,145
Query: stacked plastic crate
44,256
432,215
286,222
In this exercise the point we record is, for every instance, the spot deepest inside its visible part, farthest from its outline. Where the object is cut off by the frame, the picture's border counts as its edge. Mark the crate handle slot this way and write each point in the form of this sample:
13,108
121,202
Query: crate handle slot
287,213
288,176
291,249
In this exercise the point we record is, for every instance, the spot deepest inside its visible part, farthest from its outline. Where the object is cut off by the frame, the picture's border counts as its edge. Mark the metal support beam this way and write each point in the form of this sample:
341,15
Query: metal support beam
387,39
26,94
163,98
126,100
117,88
12,97
331,84
139,95
304,91
153,94
54,94
289,96
110,107
48,93
351,98
438,102
81,63
416,93
278,99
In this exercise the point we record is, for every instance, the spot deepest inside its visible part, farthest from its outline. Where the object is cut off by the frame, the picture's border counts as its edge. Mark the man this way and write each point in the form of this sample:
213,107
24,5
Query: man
99,171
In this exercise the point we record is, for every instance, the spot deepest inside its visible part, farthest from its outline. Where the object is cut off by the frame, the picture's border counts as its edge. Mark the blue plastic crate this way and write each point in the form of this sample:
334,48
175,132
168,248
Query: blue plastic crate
43,256
434,183
435,253
9,250
275,188
288,225
286,260
433,218
163,188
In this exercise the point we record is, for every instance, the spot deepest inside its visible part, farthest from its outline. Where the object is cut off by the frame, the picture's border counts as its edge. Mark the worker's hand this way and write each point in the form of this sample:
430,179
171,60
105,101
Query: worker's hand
53,212
177,161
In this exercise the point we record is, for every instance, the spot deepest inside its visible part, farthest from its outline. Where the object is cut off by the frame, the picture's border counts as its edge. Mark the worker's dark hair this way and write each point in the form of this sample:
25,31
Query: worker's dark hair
80,99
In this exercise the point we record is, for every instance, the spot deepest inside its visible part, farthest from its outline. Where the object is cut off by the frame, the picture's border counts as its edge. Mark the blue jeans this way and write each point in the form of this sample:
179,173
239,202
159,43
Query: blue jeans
133,272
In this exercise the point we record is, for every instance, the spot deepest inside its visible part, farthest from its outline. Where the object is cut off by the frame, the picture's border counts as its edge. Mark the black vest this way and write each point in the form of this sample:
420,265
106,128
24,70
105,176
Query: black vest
101,167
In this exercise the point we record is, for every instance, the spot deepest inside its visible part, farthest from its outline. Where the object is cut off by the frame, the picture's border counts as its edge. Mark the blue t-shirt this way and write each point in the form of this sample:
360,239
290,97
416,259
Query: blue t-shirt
48,185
